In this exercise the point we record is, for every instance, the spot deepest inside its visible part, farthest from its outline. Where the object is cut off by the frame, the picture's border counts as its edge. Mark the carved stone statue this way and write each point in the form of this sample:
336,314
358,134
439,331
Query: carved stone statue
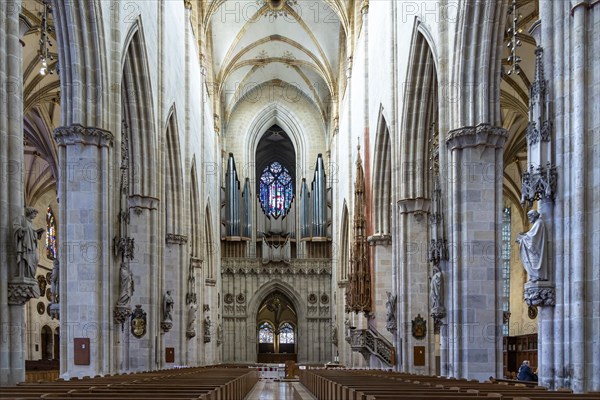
390,306
26,243
168,307
436,292
219,335
125,285
334,335
54,279
347,325
191,318
207,324
532,245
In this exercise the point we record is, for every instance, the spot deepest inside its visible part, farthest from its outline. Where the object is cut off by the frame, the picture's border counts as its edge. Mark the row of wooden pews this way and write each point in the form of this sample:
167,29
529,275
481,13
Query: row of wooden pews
339,384
204,383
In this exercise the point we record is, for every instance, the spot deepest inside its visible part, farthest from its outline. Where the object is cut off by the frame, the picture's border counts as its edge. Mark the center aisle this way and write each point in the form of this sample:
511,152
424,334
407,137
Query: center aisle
270,390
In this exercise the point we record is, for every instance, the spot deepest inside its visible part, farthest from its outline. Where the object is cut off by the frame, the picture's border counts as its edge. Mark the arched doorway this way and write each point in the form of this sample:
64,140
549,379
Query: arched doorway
276,329
57,343
47,341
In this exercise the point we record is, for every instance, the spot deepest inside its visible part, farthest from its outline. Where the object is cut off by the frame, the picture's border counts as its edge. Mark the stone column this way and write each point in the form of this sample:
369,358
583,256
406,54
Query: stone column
84,188
474,175
413,290
14,291
146,352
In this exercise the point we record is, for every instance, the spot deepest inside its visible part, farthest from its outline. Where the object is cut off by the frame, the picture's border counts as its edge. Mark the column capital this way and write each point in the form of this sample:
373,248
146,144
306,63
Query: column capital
473,136
540,294
79,134
21,290
418,207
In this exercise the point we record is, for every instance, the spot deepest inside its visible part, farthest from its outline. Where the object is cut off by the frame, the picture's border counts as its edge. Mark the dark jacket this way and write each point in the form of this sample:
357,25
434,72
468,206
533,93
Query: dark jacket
526,374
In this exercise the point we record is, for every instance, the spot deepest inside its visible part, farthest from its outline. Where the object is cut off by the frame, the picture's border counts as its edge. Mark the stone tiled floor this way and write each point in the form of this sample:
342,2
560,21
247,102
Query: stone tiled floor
269,390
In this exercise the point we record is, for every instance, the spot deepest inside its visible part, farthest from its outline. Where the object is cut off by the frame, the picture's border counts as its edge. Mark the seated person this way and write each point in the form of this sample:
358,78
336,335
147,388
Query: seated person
525,373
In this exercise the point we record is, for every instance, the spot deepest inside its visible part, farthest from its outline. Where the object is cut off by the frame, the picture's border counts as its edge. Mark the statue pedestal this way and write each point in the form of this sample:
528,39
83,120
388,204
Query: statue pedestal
121,314
22,289
540,293
166,326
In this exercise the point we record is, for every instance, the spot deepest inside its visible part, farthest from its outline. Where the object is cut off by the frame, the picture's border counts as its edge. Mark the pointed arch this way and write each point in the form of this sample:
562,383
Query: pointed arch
173,176
83,59
477,66
137,113
419,116
344,256
382,178
210,246
195,233
275,285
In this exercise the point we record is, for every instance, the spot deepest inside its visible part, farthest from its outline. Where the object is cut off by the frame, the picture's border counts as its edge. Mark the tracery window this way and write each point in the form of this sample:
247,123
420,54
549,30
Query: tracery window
265,333
50,234
276,190
286,334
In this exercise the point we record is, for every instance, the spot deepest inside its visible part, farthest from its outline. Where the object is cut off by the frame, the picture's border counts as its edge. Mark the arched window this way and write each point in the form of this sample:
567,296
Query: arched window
286,334
50,234
276,190
265,333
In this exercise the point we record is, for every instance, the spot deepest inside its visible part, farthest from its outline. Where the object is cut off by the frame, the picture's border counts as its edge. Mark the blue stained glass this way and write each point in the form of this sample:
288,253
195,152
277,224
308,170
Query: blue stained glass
276,190
265,333
286,334
50,234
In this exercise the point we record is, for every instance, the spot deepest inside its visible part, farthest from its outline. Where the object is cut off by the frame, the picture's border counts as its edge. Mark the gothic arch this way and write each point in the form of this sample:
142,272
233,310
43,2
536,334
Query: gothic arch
419,117
137,109
195,233
344,245
475,97
276,114
210,246
299,305
286,289
82,59
382,179
173,177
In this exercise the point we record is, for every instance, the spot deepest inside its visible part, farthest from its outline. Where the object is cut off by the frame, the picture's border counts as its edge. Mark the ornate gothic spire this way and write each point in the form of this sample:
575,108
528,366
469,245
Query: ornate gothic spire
358,296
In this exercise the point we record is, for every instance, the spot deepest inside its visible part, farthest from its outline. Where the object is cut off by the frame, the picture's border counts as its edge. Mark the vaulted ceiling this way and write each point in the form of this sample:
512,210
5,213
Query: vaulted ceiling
514,99
295,45
41,104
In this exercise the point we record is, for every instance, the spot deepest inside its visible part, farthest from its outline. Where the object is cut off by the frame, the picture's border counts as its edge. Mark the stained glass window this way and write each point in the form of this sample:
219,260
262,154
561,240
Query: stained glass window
276,190
506,243
286,334
50,234
265,333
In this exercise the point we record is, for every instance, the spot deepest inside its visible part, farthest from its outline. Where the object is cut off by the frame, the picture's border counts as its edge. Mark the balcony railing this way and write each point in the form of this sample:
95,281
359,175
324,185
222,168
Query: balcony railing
370,342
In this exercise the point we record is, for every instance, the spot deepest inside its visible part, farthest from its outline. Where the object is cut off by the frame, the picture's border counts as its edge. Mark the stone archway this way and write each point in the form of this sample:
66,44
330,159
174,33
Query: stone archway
46,340
277,327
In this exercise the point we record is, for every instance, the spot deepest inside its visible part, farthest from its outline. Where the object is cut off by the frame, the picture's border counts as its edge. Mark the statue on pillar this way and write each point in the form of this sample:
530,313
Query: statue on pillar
26,243
532,245
390,306
125,285
191,321
219,334
167,322
436,292
207,325
54,280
